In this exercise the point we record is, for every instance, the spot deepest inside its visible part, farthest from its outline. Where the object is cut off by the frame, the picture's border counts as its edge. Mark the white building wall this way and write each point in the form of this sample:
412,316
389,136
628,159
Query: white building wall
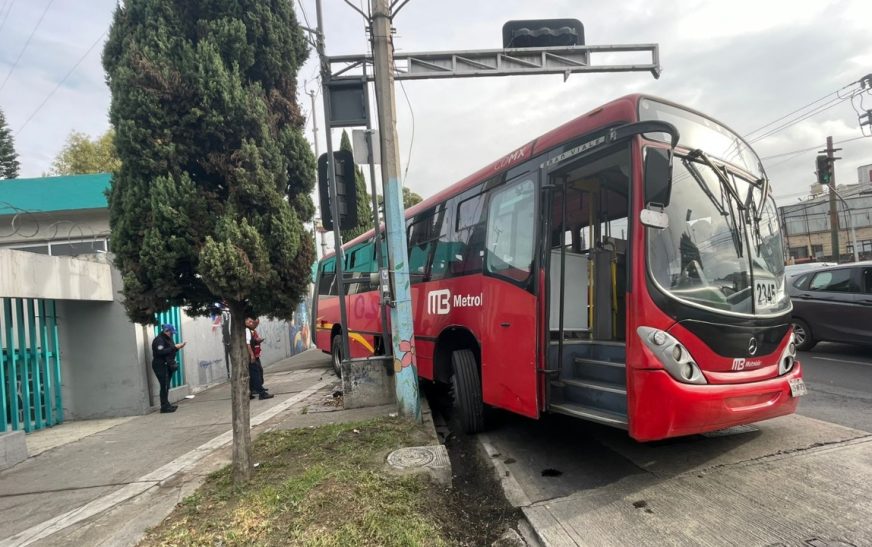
204,356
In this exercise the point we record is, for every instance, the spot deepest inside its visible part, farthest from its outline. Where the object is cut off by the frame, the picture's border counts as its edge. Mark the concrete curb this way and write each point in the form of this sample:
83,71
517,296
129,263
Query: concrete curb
515,495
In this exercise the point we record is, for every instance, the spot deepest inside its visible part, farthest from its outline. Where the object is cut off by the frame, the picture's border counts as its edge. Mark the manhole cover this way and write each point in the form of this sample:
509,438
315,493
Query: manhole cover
412,456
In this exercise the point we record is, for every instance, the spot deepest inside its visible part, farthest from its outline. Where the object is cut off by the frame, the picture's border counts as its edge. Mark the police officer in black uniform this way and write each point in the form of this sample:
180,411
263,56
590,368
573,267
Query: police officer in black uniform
163,351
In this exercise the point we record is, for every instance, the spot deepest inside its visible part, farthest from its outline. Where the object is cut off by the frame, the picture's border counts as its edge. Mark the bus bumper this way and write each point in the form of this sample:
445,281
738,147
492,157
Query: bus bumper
661,407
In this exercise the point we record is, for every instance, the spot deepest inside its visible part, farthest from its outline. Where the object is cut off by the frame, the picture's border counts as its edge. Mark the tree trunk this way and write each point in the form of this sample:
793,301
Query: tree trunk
239,391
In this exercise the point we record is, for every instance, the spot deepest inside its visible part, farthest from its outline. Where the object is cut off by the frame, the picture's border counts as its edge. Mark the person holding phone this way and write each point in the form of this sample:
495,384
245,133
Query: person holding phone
255,369
163,363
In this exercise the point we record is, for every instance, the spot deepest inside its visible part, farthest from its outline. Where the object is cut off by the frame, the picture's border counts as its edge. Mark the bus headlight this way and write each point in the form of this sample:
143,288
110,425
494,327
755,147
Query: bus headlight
788,357
675,358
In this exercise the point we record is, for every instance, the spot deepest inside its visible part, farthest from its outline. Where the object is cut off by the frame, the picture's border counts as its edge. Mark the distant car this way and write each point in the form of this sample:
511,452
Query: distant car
832,304
793,270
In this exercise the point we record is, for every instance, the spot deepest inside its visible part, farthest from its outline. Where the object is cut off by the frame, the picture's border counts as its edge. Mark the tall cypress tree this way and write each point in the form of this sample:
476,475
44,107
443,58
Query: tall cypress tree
364,202
213,189
8,157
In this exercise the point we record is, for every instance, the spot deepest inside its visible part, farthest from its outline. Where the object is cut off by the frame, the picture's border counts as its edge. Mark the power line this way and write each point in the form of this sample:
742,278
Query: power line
305,17
26,43
64,79
748,134
5,17
789,155
794,121
412,138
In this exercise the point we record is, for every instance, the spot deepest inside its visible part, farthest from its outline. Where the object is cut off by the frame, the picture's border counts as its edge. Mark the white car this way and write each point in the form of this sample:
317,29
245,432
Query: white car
793,270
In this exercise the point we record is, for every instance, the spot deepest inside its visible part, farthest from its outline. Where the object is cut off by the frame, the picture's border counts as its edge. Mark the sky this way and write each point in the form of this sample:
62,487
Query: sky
745,63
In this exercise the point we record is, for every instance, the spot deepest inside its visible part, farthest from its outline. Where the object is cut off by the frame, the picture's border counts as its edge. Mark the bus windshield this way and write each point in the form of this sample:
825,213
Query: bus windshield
715,253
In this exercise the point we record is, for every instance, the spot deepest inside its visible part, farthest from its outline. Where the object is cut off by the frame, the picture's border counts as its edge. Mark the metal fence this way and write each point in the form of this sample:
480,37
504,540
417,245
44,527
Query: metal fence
30,365
173,316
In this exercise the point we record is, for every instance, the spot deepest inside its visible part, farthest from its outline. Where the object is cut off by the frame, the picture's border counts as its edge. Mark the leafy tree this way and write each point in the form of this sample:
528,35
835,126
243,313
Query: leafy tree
8,156
213,189
364,202
81,155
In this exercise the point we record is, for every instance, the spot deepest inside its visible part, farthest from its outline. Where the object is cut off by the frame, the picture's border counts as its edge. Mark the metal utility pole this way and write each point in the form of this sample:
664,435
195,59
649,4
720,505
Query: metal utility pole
834,211
403,338
331,174
850,220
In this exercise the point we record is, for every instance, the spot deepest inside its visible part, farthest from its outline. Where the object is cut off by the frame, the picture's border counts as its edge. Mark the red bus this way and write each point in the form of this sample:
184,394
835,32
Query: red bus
625,268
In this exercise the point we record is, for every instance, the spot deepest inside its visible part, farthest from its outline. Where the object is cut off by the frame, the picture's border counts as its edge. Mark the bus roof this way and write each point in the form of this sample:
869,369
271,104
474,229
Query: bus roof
622,109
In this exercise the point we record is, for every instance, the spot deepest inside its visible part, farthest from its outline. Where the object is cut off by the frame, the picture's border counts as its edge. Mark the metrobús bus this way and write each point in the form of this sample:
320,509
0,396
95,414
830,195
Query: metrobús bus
625,268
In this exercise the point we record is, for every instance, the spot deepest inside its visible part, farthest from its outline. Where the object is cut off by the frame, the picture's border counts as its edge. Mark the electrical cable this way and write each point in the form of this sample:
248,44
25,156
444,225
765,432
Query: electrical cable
795,121
10,3
302,9
412,138
748,134
64,79
26,43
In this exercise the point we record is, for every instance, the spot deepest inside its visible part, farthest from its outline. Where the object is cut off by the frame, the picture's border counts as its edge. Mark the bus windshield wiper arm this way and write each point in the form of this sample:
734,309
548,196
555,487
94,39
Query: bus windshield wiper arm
722,177
704,187
731,194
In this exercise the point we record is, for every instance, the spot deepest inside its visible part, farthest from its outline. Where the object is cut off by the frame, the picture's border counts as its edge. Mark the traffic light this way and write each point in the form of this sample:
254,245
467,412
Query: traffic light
346,190
823,169
543,33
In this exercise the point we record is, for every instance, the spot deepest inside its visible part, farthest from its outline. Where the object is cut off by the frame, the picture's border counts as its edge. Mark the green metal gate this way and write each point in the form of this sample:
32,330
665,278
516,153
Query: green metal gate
30,365
173,316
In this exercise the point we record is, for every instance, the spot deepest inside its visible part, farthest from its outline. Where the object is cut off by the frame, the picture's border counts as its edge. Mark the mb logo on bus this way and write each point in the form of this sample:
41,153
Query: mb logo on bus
440,302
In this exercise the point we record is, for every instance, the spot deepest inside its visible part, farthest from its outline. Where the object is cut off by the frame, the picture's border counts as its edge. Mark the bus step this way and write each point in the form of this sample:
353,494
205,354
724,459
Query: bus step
596,370
597,386
598,362
598,394
592,414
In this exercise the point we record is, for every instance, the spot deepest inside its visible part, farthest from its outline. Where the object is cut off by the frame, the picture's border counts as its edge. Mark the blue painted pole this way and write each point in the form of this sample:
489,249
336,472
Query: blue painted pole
402,327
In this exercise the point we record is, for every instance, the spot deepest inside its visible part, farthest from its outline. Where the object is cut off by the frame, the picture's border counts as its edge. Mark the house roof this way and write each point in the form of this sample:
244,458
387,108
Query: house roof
47,194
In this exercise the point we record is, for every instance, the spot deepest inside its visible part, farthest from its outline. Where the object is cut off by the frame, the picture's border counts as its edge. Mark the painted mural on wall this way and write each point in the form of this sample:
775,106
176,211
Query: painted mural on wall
300,335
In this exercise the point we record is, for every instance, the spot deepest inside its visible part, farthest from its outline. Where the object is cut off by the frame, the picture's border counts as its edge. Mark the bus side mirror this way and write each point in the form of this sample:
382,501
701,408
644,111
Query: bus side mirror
653,218
658,176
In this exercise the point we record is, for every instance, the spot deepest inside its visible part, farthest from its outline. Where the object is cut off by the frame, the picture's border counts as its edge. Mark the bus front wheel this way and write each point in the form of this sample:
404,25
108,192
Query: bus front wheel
467,391
336,351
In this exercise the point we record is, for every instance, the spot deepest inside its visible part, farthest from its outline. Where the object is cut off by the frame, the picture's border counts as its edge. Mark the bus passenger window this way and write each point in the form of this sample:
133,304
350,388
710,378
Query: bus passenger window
467,243
510,233
326,285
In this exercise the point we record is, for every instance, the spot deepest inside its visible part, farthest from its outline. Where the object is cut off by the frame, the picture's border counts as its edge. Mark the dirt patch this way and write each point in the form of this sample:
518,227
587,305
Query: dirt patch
478,512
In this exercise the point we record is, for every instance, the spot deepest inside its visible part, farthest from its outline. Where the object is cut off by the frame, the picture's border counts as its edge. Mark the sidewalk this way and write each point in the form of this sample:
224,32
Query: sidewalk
106,486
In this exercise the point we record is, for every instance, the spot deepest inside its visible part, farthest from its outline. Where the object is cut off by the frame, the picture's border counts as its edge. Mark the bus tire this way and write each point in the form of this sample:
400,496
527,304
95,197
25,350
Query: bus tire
467,391
336,353
802,335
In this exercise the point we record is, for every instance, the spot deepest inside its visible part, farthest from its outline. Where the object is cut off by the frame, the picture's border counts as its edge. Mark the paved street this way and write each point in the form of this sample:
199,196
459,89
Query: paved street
798,480
839,379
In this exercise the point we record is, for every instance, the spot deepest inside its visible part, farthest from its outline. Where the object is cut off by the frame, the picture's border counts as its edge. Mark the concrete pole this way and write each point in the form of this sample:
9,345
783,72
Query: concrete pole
318,233
402,332
834,211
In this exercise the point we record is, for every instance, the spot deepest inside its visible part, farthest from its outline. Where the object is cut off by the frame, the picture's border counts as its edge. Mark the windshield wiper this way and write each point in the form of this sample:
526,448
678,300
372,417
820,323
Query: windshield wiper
722,176
725,184
704,187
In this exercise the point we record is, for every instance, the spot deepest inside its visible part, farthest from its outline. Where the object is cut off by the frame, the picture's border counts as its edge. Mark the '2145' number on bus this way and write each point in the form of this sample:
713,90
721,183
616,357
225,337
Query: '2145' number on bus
765,292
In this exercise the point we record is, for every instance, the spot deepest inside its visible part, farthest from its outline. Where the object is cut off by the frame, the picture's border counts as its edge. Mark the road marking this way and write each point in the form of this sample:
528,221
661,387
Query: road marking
842,361
151,480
